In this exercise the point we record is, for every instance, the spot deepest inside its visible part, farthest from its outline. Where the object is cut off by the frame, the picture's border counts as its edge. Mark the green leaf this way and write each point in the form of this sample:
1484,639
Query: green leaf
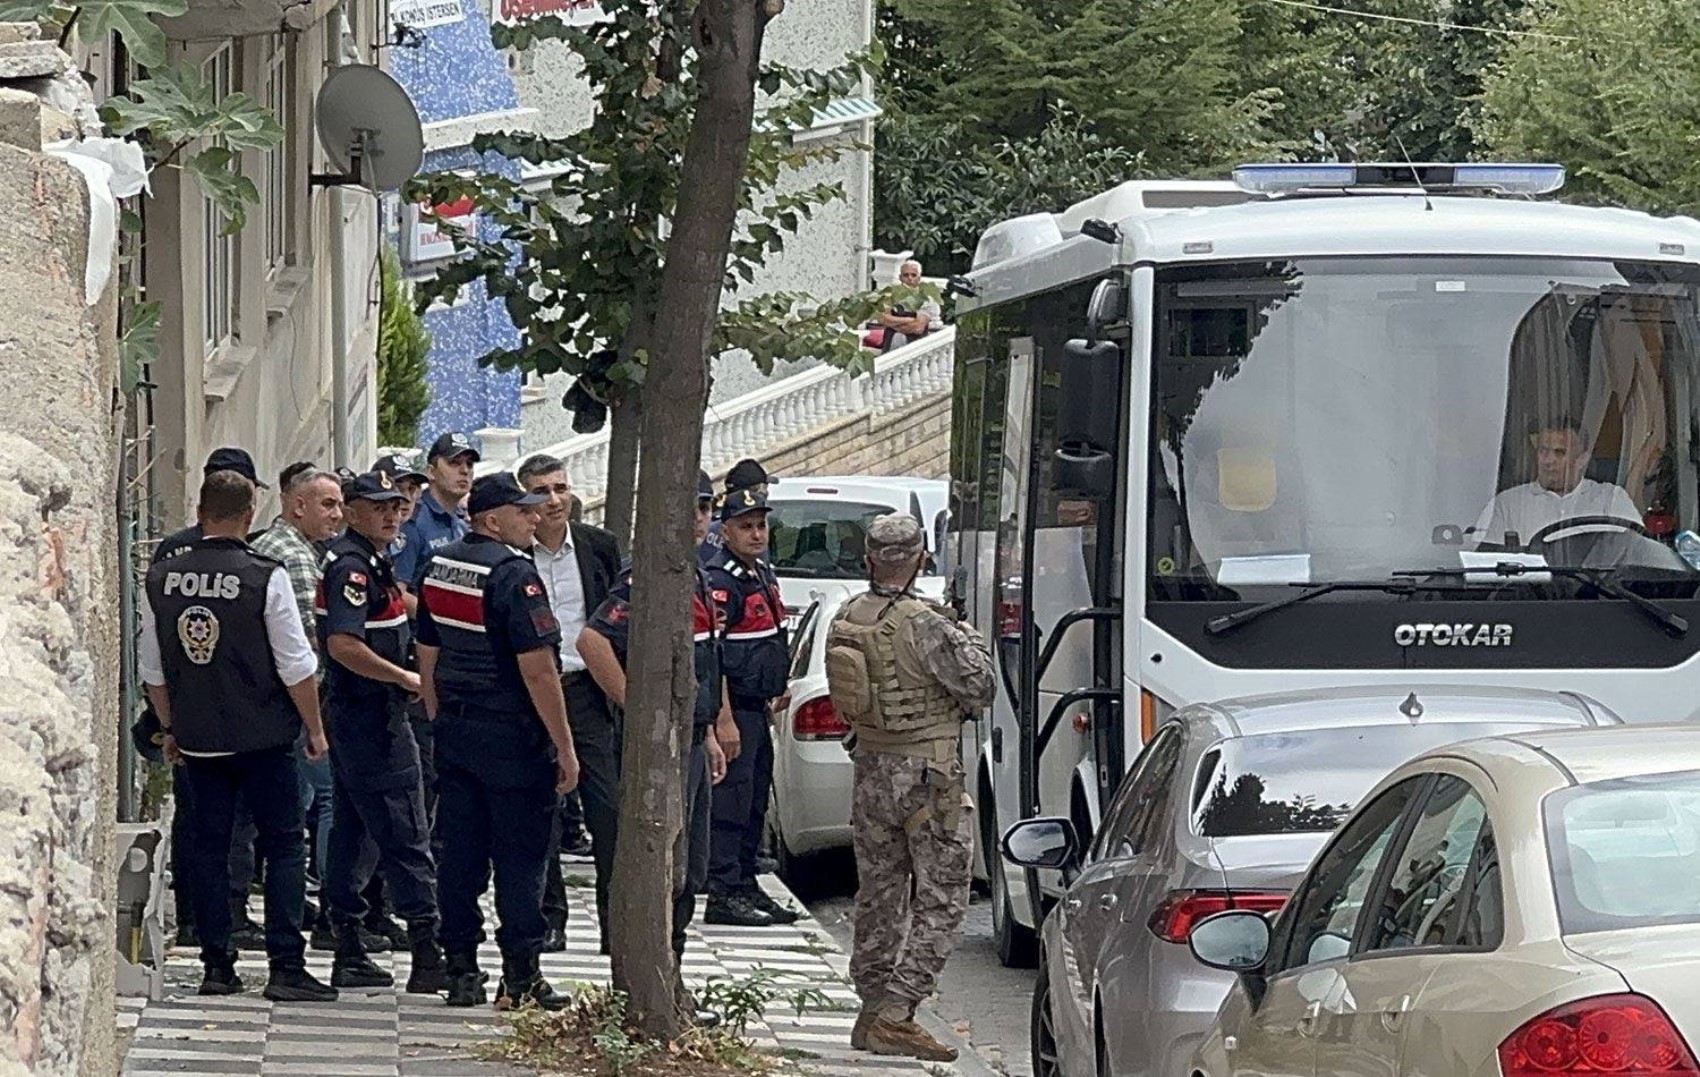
230,192
132,20
138,345
177,105
25,10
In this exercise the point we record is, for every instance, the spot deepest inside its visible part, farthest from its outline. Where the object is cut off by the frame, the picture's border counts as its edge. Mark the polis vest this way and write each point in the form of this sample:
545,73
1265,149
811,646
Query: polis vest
473,673
209,609
879,684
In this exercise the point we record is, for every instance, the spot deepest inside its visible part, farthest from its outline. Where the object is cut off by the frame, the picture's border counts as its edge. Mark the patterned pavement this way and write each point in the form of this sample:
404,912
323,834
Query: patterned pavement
385,1033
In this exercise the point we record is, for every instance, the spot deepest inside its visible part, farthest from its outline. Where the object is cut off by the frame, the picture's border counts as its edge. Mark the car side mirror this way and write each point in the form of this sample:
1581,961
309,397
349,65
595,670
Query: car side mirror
1235,941
1041,843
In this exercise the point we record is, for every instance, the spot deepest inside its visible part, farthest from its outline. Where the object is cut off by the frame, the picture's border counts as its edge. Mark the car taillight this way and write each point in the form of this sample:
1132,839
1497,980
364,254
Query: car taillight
817,720
1626,1034
1181,911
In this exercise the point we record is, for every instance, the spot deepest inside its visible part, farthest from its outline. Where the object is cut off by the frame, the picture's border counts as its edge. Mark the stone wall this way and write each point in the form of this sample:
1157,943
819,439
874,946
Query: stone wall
914,440
58,605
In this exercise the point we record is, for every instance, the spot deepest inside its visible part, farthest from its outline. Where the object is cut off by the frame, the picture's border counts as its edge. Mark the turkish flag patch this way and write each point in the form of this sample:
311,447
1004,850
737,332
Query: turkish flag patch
358,578
722,596
532,590
619,614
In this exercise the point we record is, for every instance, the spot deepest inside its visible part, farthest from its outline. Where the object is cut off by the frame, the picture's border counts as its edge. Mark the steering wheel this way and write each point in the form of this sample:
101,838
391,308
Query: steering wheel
1574,522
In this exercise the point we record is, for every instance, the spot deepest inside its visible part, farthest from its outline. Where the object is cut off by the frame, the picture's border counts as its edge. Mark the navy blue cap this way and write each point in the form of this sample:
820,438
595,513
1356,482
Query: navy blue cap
452,445
372,486
705,485
498,490
746,473
236,460
740,502
398,467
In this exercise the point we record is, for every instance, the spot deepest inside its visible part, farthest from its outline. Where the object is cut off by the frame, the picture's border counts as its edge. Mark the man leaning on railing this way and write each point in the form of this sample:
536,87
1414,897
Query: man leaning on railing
898,326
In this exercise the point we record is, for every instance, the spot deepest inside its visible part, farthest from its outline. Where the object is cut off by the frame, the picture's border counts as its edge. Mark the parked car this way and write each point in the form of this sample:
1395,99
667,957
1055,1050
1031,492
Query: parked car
1534,909
820,527
1223,810
810,811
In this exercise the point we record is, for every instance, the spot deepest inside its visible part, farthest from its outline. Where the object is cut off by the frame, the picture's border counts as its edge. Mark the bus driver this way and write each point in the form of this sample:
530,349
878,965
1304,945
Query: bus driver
1560,490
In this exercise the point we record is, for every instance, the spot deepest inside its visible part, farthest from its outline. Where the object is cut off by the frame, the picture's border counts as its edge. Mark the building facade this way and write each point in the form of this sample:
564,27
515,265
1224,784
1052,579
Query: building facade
262,329
826,259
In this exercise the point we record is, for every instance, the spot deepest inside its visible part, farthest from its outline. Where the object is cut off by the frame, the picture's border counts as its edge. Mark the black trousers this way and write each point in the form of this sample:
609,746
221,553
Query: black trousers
740,804
392,823
270,783
597,739
690,855
490,828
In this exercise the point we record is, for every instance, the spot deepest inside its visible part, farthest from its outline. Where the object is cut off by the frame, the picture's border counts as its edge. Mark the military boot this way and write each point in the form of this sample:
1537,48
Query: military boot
522,983
428,975
906,1039
465,981
221,978
351,967
864,1021
734,910
764,902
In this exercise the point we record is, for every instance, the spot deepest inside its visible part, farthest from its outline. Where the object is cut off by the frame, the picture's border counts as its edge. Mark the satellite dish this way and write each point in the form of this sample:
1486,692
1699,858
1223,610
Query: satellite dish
370,129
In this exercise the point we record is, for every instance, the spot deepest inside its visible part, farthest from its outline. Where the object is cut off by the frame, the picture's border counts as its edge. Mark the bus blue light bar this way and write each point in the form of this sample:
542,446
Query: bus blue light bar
1511,179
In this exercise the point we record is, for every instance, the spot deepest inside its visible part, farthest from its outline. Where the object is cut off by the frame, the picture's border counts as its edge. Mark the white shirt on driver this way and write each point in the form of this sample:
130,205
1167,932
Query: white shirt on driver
1528,508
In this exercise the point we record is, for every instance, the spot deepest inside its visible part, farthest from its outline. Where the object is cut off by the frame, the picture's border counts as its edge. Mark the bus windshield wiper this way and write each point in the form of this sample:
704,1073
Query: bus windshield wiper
1597,578
1221,626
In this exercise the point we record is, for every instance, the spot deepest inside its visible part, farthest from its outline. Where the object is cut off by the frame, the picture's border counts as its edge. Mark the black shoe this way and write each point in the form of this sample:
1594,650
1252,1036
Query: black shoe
309,913
555,940
188,937
781,914
323,939
297,985
735,910
220,980
578,845
374,942
247,935
467,989
535,990
386,928
359,972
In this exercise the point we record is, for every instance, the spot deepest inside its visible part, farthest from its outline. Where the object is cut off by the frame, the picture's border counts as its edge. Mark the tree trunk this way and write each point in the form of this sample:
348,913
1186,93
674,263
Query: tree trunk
625,417
728,36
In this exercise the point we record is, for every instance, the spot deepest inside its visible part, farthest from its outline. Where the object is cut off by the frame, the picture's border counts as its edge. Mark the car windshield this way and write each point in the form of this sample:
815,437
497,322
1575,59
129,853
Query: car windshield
1342,419
821,539
1626,853
1309,781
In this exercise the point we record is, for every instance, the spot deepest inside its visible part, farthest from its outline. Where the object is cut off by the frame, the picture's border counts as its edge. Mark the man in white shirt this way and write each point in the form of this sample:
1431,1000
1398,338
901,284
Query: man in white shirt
579,564
905,325
230,673
1559,492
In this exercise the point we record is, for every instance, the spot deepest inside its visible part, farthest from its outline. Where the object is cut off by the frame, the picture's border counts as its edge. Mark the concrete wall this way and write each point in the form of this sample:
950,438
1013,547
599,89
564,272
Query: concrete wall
269,387
58,615
911,441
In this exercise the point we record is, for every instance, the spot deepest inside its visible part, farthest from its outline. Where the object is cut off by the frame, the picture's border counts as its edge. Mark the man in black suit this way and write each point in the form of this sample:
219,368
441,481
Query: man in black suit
578,563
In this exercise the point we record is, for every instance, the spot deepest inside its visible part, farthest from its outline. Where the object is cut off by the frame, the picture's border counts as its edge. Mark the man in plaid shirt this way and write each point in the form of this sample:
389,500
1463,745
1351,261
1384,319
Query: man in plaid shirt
312,513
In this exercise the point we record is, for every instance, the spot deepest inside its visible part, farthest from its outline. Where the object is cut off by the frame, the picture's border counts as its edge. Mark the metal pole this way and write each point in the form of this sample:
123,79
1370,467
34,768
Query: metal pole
339,331
128,690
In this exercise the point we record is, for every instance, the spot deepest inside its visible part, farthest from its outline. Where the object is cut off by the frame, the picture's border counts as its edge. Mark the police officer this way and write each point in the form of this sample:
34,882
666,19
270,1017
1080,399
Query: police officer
230,673
364,635
755,663
439,517
602,644
226,459
488,665
904,674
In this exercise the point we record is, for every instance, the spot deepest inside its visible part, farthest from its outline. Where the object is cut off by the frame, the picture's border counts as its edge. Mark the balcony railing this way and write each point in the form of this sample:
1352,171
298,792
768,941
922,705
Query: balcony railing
759,422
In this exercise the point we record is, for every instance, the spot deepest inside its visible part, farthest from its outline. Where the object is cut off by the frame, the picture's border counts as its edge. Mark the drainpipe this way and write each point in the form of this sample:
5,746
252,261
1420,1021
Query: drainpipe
340,451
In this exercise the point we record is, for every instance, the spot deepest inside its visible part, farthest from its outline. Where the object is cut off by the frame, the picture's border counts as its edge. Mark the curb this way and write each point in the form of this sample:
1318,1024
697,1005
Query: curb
968,1060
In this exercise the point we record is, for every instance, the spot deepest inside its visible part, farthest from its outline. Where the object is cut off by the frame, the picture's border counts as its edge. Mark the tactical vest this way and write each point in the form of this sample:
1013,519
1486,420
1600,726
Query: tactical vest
473,673
754,656
387,633
209,609
879,686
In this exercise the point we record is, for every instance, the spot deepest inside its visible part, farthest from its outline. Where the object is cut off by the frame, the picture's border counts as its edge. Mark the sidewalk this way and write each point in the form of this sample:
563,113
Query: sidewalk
384,1033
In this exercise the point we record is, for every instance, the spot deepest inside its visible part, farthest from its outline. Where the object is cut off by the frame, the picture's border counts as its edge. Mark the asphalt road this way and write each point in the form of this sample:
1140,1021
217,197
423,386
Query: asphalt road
987,1003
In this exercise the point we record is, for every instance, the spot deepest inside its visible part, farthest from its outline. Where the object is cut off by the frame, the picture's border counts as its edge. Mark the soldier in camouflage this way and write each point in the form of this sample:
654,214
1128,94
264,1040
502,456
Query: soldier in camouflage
905,674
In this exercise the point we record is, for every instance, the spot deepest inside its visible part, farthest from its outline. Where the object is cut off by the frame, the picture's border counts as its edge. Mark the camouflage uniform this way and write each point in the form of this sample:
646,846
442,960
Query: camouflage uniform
911,814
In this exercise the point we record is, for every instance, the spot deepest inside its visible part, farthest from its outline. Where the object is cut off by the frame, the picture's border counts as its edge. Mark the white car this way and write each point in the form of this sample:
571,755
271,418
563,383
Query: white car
820,526
1517,906
810,812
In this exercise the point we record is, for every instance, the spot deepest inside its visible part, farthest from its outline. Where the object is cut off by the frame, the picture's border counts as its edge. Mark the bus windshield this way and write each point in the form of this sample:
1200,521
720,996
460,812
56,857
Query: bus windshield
1325,420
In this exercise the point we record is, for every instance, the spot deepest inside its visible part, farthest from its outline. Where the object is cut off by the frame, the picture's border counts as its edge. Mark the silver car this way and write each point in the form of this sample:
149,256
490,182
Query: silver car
1224,809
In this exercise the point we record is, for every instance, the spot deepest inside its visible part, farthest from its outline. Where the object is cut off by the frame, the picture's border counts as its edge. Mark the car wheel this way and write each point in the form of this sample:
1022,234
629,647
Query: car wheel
1047,1061
1017,944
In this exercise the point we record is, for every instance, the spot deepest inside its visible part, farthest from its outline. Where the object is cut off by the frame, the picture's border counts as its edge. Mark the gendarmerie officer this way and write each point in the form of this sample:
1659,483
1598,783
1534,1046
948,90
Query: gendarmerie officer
230,672
364,636
755,663
603,647
489,669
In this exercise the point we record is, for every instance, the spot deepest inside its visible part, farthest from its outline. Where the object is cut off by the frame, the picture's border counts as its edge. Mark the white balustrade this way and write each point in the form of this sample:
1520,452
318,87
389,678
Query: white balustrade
758,422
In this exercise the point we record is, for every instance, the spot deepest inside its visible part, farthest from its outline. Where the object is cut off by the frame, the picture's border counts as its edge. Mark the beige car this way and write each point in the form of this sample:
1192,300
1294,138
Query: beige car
1518,906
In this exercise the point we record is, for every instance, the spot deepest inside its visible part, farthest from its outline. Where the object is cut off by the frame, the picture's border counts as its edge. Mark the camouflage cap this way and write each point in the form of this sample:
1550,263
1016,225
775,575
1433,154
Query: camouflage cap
895,538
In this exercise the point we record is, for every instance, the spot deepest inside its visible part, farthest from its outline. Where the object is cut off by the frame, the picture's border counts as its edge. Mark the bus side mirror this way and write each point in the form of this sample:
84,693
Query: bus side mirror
1088,419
